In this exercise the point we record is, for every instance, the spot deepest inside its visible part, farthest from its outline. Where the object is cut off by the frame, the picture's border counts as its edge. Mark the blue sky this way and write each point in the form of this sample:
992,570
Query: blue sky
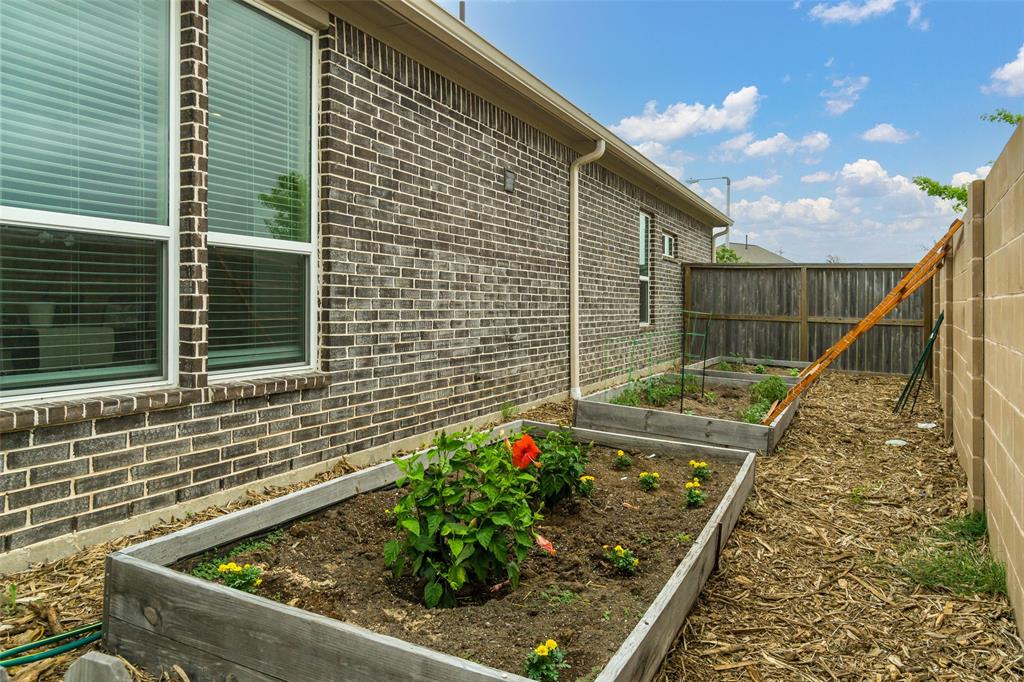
821,112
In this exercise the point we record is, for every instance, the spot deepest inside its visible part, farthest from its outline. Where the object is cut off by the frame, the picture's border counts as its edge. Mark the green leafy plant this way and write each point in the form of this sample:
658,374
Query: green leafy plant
756,412
466,518
545,662
289,201
562,462
622,560
245,578
770,389
586,486
209,568
622,461
725,366
760,369
1003,116
954,557
508,411
694,493
700,470
631,395
649,480
934,188
11,605
684,538
555,596
724,254
711,397
970,528
794,372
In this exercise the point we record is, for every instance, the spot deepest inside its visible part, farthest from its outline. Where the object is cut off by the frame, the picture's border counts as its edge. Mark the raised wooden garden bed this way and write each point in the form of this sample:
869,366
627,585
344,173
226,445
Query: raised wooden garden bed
598,412
157,616
744,370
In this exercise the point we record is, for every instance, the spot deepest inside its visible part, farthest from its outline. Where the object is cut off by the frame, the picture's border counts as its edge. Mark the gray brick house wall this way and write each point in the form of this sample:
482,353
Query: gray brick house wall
442,297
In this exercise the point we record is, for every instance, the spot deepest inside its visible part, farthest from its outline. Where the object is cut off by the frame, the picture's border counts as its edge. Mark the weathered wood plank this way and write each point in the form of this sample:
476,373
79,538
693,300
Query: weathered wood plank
645,443
254,633
640,656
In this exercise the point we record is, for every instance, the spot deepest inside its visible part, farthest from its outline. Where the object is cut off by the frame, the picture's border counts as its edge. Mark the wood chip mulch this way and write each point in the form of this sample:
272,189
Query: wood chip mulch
805,589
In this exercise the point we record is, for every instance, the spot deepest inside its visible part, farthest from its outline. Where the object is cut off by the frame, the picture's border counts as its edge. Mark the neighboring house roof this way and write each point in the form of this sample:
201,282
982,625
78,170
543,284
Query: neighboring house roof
429,34
752,253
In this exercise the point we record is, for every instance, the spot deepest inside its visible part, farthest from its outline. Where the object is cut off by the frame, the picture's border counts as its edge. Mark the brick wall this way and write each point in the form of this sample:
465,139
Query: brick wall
982,361
441,298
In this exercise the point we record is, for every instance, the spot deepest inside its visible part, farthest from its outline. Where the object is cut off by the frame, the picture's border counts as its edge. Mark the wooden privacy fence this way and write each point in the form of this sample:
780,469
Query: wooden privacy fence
795,312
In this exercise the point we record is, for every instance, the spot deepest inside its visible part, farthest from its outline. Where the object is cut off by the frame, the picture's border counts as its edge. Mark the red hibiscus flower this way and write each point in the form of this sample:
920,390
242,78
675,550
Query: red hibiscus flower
545,544
525,451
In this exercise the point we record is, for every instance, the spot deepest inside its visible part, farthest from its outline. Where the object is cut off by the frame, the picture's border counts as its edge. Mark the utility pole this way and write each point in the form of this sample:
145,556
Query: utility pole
728,209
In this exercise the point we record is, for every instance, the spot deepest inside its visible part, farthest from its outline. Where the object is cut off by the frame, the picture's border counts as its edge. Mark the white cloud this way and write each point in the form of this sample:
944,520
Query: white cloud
756,182
672,160
844,94
864,213
914,19
780,143
804,211
682,119
886,132
964,177
1008,79
830,62
851,12
820,176
735,144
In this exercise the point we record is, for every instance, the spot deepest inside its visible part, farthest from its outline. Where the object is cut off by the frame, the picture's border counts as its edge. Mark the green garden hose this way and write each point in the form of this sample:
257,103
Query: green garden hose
6,660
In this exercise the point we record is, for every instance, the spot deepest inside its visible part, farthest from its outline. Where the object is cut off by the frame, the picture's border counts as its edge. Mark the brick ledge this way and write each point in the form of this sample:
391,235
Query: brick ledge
18,418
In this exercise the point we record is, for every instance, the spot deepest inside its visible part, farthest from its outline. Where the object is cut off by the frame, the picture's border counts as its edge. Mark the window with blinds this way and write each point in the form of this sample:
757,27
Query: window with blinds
84,108
78,308
260,129
645,269
85,205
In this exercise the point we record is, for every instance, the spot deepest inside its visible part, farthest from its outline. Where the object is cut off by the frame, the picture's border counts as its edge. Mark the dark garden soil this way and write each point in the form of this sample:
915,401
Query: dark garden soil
749,369
728,403
332,564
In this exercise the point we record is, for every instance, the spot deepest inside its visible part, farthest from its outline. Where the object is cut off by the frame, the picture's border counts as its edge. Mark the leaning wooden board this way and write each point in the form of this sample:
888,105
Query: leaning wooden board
598,413
158,617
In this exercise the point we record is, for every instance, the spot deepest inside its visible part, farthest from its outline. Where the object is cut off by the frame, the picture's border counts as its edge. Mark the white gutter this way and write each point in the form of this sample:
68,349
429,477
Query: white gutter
574,266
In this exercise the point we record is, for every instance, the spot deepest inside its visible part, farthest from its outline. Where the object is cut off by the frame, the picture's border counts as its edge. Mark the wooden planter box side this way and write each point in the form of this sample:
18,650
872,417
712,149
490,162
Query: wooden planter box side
598,413
158,617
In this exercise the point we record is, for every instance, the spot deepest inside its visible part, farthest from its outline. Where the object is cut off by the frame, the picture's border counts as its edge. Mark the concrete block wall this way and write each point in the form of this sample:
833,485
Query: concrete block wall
442,297
981,364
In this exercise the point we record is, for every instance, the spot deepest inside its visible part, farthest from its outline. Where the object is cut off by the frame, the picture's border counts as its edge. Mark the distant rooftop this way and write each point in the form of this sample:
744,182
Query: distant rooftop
752,253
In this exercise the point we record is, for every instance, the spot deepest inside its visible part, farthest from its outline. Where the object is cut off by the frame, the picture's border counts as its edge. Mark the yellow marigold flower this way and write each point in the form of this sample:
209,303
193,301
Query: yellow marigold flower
259,581
551,644
541,650
693,462
656,474
636,562
605,547
620,453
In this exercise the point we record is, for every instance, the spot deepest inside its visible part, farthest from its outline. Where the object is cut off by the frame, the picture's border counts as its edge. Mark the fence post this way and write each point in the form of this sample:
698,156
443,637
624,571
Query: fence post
974,329
947,345
805,327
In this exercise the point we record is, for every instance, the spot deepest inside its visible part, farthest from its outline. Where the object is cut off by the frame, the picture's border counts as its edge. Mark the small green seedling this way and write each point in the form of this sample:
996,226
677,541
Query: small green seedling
11,607
760,369
711,397
725,366
508,411
794,372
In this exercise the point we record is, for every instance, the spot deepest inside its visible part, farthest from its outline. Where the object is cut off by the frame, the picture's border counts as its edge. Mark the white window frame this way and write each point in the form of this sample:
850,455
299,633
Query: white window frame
644,243
309,249
167,234
668,245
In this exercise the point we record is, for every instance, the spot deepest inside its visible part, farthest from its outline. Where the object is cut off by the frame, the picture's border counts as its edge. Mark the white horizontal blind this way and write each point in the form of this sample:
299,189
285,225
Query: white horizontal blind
645,278
84,107
78,308
259,85
257,308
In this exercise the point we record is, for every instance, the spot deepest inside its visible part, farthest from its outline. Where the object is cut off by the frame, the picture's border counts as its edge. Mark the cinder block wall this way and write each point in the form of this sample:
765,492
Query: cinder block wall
981,367
442,297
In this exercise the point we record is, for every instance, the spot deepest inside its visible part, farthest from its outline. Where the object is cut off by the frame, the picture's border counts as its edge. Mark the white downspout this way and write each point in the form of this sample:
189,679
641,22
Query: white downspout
574,266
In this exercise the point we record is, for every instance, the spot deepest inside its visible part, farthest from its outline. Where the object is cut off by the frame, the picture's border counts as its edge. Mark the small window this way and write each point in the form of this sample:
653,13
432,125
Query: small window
645,269
668,245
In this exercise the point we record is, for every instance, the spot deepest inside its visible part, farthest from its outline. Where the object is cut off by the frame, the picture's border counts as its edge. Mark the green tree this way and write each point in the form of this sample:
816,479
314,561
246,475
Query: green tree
290,203
958,194
724,254
1003,116
934,188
